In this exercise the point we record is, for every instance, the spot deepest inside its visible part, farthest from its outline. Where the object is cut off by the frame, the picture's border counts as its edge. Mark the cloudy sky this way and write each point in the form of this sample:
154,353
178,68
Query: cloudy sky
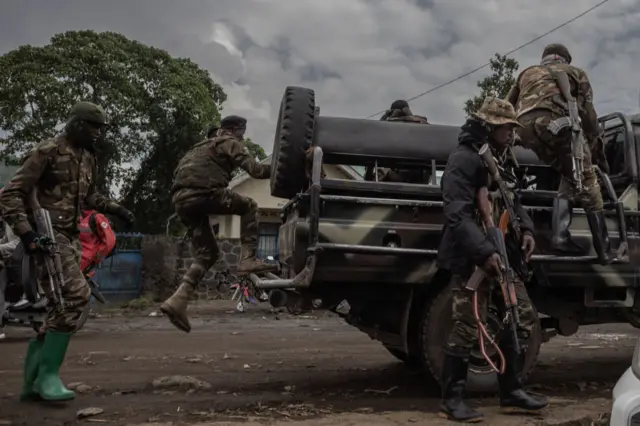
358,55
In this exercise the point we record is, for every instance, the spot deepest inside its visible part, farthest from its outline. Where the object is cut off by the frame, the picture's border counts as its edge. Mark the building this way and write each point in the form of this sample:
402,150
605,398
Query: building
269,206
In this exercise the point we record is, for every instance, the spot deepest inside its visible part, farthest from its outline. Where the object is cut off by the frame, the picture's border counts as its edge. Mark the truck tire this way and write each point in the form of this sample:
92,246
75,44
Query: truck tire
435,327
294,135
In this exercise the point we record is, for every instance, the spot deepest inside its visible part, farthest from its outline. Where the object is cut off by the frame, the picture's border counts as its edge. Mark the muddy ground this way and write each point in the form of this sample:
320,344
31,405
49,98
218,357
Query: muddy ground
258,367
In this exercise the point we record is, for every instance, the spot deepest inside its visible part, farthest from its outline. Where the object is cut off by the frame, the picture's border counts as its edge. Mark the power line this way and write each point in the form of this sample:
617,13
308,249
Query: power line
468,73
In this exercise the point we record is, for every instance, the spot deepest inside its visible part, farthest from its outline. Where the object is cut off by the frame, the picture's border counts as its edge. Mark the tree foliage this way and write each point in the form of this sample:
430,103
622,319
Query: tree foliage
256,150
502,77
157,105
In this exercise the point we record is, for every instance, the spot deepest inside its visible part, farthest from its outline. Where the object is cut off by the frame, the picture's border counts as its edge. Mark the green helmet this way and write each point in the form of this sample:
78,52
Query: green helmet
89,112
557,49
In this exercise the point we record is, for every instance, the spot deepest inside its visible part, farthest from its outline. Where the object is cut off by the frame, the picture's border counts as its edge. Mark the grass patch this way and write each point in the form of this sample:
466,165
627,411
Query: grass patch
140,304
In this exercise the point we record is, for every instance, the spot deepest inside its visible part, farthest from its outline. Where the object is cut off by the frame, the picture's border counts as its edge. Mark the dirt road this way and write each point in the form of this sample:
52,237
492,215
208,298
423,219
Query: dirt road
257,367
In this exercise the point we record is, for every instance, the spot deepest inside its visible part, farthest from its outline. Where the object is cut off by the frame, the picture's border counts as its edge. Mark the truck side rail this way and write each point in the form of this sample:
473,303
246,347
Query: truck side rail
304,278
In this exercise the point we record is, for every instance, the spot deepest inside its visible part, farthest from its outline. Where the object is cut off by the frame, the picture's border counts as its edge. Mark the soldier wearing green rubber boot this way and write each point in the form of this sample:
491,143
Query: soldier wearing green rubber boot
61,171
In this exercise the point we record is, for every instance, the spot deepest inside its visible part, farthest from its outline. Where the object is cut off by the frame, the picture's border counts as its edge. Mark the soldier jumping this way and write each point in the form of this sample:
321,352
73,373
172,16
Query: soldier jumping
200,190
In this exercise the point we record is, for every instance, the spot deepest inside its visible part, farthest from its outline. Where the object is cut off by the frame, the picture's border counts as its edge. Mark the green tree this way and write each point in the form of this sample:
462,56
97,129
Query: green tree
256,150
157,107
502,77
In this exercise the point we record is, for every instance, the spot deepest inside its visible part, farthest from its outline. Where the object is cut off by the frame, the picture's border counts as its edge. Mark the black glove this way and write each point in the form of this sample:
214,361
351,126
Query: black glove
33,242
125,215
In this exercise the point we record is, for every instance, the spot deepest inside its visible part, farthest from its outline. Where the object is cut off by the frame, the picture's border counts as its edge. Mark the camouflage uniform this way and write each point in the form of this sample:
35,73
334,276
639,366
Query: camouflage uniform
463,247
62,172
200,190
400,112
538,101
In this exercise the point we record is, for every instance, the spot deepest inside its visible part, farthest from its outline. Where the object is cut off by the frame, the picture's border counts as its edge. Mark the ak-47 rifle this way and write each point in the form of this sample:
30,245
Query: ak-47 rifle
508,221
574,122
52,260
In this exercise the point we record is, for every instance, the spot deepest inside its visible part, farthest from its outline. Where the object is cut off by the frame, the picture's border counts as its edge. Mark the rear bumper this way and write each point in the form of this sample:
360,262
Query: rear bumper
626,400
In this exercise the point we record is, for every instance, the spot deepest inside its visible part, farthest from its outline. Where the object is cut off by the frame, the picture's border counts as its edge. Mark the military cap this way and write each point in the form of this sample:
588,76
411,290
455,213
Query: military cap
497,112
233,121
557,49
399,104
89,112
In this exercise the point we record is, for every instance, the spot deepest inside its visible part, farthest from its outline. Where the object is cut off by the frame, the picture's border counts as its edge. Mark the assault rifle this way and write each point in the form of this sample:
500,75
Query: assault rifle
574,122
51,256
508,221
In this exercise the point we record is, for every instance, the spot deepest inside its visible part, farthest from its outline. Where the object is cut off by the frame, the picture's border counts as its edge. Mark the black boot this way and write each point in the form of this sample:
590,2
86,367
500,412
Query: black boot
454,378
513,398
561,241
600,234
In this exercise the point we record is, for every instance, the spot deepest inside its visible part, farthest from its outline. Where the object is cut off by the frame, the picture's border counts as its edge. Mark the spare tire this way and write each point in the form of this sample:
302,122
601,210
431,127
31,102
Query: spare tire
294,135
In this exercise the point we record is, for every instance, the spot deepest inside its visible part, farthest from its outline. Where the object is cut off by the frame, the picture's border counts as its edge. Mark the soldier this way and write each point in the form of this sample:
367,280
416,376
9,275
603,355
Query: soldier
211,132
401,113
463,247
539,103
62,170
200,190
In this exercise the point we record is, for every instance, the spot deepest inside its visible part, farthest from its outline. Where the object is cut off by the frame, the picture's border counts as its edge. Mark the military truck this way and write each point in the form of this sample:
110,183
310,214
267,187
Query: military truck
374,244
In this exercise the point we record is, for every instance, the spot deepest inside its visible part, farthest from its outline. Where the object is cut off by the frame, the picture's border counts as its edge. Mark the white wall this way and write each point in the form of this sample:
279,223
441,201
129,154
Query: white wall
260,190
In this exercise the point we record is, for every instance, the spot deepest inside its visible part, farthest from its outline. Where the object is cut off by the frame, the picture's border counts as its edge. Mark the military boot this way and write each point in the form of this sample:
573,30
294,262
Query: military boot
454,379
561,241
30,370
175,307
250,264
48,384
513,397
600,234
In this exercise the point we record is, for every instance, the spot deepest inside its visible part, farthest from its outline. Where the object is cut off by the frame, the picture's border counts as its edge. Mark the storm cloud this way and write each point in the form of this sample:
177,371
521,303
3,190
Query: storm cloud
357,55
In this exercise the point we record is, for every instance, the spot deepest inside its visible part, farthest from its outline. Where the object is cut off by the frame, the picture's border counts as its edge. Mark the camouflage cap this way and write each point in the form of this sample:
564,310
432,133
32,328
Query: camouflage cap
233,121
497,112
89,112
557,49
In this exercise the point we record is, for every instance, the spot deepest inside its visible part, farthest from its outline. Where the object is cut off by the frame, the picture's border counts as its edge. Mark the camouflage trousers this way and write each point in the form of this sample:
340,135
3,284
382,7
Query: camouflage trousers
194,213
75,290
556,152
464,333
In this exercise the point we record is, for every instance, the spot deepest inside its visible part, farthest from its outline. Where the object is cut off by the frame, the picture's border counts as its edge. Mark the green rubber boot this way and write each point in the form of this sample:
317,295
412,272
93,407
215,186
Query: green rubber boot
30,371
48,384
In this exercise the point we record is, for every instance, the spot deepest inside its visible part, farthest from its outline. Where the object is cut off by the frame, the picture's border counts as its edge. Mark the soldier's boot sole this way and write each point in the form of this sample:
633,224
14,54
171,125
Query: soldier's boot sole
520,401
175,308
178,319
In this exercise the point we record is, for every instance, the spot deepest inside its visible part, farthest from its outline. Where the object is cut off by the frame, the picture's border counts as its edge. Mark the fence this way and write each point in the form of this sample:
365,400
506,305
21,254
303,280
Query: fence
119,275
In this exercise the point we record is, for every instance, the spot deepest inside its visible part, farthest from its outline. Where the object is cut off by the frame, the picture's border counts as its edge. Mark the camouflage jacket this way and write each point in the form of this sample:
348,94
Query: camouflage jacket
209,164
535,88
63,176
